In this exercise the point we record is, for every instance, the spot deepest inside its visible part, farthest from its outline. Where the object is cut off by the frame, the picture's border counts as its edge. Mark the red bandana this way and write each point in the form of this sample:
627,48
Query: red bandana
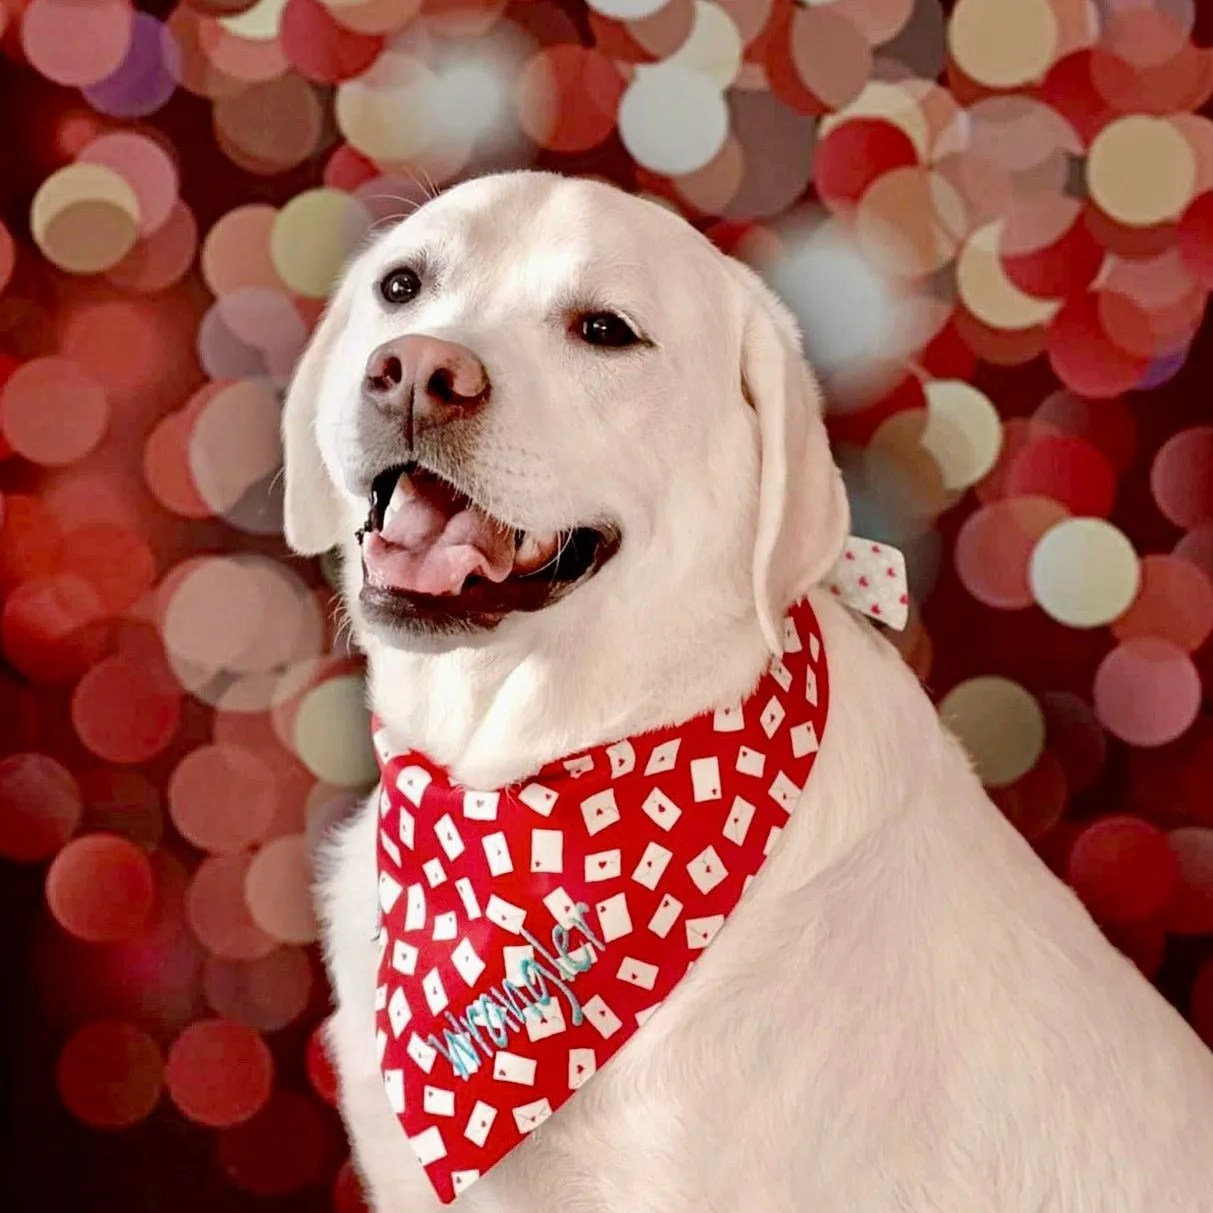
527,933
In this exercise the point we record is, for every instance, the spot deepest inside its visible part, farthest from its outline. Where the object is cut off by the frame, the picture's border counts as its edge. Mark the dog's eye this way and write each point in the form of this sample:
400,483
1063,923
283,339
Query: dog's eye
606,329
400,286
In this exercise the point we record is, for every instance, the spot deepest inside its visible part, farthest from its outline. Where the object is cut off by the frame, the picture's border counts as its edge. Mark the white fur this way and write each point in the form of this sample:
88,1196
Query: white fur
908,1013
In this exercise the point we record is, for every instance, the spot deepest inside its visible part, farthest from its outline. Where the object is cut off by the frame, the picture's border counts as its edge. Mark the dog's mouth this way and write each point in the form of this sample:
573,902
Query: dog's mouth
431,553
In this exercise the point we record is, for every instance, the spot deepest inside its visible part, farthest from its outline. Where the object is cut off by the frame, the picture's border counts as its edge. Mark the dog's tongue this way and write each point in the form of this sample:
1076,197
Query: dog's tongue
432,540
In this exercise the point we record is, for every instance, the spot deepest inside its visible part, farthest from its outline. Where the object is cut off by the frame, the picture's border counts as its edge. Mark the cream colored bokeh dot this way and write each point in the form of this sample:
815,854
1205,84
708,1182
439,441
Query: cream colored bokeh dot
1141,171
963,433
312,237
85,218
260,23
383,114
999,723
989,294
1084,572
333,733
277,890
1003,43
713,48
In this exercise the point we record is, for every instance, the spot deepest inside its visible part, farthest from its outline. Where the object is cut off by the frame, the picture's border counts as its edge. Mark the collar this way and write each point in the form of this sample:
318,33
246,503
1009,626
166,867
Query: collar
528,932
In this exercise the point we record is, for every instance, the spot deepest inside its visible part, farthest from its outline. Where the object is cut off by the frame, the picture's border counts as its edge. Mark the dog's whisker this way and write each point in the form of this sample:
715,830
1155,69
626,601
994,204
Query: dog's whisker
565,538
428,185
409,202
384,221
345,626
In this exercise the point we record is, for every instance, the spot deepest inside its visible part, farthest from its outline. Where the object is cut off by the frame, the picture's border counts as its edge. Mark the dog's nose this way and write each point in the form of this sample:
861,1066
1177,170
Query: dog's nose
425,378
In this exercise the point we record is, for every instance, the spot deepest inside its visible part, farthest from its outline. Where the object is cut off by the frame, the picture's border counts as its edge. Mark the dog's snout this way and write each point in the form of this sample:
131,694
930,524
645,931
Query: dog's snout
425,378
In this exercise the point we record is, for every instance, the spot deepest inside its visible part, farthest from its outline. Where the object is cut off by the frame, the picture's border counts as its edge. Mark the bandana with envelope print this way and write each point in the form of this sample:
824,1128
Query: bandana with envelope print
527,933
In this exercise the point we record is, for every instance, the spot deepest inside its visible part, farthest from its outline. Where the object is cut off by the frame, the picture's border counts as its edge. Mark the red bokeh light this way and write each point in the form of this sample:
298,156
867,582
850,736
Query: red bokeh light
100,888
114,561
110,1075
53,628
1084,357
569,98
1190,911
125,712
219,1073
218,913
1195,239
320,48
40,806
1067,470
854,155
1123,869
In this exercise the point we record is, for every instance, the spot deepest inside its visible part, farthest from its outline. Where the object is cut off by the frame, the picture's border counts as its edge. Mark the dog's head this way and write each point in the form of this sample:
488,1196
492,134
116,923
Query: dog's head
539,397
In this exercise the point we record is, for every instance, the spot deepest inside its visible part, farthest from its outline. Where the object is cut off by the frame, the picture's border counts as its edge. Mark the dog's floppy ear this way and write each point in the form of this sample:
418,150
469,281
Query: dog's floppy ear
312,513
803,513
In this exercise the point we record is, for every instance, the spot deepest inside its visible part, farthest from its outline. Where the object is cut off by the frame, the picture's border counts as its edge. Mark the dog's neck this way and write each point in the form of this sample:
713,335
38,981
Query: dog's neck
496,712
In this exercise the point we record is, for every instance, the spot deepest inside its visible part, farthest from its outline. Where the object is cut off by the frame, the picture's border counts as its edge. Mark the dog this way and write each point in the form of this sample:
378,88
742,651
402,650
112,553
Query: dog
906,1012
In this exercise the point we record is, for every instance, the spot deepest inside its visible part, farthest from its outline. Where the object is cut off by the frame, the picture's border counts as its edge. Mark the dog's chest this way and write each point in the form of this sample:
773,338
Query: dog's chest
714,1103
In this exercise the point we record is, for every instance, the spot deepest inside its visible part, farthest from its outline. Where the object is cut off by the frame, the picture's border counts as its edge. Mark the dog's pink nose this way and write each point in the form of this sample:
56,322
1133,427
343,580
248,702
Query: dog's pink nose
425,377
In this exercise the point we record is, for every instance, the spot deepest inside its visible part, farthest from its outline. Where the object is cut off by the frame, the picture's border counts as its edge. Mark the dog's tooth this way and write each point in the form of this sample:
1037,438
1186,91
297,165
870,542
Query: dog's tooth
401,495
533,550
527,547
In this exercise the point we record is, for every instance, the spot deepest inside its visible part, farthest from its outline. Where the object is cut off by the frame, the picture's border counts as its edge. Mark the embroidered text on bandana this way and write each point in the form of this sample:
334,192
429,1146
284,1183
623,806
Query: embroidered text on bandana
527,933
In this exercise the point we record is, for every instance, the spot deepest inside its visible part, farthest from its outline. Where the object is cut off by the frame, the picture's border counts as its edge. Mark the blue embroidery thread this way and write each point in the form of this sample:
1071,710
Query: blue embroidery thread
506,1007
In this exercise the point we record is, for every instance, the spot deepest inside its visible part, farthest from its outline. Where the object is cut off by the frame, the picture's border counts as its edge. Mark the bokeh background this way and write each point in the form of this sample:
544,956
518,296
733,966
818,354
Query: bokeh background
995,219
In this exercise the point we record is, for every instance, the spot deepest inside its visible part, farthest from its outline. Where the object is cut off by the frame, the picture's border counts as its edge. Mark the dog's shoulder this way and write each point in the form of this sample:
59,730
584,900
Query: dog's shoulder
933,982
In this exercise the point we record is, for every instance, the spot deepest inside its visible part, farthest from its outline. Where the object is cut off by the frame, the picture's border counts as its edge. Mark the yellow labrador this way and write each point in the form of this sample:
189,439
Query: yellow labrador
907,1013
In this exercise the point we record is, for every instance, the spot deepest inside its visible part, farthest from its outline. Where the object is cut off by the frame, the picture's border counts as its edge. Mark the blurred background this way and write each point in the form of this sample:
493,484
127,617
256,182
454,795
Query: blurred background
994,219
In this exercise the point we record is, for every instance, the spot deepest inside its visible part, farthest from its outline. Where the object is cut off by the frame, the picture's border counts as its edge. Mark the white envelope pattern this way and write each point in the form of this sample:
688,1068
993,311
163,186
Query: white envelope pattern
528,932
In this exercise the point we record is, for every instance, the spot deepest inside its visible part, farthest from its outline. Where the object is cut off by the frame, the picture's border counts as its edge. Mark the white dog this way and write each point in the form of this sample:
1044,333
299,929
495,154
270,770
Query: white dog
906,1013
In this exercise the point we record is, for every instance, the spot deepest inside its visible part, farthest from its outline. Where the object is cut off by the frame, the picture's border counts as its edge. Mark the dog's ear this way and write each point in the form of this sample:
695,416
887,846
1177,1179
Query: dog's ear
312,513
803,513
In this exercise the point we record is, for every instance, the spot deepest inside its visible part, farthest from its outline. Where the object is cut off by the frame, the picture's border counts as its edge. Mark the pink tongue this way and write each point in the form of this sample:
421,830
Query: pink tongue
433,543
